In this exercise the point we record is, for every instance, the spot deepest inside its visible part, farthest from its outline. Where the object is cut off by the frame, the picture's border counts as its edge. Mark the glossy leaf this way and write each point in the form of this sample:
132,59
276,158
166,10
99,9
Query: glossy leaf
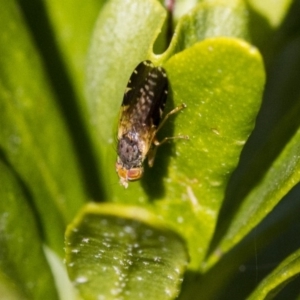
222,106
219,117
123,252
21,253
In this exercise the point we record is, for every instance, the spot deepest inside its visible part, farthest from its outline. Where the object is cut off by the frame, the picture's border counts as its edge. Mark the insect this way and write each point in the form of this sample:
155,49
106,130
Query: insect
140,120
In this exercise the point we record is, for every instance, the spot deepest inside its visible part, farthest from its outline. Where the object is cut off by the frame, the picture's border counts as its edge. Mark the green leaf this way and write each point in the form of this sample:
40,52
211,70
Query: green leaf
273,11
222,102
277,123
62,43
211,78
44,136
216,18
267,26
277,182
73,37
280,277
218,123
34,136
21,253
115,251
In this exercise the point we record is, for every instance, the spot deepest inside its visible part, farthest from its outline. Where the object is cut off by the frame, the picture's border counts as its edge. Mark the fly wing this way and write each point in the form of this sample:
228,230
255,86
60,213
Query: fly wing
145,96
158,92
136,82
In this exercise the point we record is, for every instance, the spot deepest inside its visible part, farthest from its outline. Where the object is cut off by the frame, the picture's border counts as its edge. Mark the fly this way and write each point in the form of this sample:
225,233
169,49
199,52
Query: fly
140,119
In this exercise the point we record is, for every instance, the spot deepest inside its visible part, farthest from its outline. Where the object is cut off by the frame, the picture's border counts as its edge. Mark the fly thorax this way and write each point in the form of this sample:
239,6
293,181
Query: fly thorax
129,152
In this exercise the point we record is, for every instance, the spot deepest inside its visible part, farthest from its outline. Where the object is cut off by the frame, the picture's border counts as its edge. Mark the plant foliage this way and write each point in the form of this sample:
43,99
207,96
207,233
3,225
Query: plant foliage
217,213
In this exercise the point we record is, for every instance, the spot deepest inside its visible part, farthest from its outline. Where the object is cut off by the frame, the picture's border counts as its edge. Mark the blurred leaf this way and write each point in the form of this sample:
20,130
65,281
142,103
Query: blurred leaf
183,7
279,179
62,44
115,251
21,253
73,37
34,137
214,18
65,288
273,11
266,21
281,276
8,289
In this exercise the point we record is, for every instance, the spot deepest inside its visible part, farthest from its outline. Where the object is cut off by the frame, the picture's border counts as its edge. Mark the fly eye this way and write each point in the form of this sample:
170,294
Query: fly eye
135,174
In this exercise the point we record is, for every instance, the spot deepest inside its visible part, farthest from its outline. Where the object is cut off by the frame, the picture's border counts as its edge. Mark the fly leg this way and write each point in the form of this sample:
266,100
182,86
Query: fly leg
156,143
172,112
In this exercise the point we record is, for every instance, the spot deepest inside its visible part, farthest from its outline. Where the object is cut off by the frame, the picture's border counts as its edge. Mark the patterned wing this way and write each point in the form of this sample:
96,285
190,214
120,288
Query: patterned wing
158,92
136,82
145,96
